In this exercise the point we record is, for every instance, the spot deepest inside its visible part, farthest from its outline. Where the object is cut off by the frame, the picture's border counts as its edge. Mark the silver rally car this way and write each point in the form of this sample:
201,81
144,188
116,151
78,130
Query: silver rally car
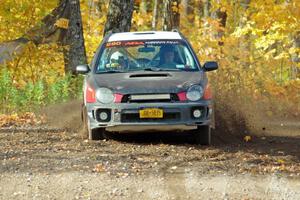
147,81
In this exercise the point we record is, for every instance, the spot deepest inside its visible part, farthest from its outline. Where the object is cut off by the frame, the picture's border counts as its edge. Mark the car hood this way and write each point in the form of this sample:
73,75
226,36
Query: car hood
148,82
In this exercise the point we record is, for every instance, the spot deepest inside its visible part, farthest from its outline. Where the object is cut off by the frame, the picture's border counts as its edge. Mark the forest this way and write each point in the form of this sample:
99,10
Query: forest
256,43
49,150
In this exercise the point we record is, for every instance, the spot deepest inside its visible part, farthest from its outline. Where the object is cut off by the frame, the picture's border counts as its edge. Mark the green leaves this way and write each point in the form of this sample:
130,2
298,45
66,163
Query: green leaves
35,95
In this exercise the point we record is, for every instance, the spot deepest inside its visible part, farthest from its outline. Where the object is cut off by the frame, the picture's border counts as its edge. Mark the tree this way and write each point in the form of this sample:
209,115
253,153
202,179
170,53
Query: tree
188,8
155,15
295,56
63,26
144,6
119,16
171,15
221,17
75,53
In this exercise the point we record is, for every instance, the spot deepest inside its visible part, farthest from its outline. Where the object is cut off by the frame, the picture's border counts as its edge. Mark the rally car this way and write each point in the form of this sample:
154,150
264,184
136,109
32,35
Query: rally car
147,81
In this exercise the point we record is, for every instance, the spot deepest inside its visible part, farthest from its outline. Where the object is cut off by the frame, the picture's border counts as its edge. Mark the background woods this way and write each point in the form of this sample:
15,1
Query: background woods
255,42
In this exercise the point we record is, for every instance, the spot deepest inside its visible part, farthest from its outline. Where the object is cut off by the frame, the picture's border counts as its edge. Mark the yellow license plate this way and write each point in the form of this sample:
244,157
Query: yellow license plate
151,113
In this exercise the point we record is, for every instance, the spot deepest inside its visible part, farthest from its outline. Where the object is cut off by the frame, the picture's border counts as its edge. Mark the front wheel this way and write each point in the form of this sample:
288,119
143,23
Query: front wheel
92,134
202,135
97,134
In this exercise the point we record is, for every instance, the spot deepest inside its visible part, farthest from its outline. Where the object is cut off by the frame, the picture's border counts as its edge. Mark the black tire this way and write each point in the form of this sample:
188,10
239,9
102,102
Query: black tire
97,134
202,135
92,134
85,130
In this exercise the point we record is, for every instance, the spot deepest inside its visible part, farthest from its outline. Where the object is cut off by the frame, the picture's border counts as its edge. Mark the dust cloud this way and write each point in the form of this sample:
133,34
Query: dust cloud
238,117
64,115
234,119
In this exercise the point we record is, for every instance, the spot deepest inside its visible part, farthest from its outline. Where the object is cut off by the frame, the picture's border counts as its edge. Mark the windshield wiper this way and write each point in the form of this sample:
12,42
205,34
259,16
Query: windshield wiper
154,69
110,71
170,70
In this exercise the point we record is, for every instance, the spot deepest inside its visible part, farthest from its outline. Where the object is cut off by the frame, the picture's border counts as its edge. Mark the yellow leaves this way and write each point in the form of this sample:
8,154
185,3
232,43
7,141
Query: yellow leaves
99,168
37,10
241,31
36,64
280,161
174,7
20,15
93,23
62,23
21,120
247,138
282,55
269,113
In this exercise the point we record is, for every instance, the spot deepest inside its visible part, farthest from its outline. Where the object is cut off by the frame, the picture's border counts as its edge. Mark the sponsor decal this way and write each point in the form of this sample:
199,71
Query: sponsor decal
138,43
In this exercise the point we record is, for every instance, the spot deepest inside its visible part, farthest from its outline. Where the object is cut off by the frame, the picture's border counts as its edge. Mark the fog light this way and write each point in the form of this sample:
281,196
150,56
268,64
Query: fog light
103,116
197,113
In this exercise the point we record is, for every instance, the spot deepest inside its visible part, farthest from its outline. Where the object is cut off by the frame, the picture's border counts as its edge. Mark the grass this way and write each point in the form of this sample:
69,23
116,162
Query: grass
32,96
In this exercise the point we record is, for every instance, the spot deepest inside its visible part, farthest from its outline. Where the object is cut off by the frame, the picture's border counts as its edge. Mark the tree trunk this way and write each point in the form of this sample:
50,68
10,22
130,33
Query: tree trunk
119,16
206,8
245,45
188,9
155,15
75,53
171,15
63,26
144,6
295,57
198,12
221,17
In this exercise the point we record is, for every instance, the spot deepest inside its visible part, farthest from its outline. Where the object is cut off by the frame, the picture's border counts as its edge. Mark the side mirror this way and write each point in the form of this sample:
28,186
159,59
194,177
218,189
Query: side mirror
82,69
210,66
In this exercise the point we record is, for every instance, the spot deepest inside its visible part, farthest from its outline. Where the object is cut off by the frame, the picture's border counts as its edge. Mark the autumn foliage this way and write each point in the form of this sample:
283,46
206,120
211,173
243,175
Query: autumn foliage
256,48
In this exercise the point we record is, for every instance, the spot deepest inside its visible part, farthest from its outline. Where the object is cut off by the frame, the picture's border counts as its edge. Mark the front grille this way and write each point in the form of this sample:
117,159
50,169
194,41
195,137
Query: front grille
127,99
135,117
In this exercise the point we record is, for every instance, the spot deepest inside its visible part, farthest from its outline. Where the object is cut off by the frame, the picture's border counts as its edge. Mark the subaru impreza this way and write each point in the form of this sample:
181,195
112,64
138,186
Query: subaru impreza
146,82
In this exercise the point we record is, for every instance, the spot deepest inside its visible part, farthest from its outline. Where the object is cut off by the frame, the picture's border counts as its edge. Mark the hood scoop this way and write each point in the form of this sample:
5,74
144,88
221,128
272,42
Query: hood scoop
148,75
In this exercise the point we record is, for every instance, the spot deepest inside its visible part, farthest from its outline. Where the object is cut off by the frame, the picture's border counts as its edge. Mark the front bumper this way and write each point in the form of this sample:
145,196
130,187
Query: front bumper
125,116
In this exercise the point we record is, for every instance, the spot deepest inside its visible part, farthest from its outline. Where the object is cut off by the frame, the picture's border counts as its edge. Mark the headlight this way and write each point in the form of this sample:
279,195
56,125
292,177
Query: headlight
104,95
194,93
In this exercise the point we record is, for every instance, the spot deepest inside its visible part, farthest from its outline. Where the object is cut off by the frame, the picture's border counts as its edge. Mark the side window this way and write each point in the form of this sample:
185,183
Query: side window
94,60
104,59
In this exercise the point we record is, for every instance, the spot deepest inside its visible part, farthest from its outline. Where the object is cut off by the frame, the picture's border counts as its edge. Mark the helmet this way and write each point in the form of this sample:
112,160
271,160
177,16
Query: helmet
116,57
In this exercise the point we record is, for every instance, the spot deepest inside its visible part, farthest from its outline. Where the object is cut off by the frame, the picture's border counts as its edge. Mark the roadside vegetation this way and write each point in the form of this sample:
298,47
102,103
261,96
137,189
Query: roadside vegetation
32,95
255,42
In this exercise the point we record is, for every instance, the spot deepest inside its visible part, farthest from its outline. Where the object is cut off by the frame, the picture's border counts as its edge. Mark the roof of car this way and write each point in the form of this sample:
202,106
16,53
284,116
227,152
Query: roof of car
147,35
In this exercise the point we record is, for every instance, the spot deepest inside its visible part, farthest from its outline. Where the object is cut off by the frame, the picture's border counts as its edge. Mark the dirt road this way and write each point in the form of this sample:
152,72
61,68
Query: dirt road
60,165
56,164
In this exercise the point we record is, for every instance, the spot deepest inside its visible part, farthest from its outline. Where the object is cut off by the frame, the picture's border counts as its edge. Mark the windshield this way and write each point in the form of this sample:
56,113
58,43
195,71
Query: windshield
149,55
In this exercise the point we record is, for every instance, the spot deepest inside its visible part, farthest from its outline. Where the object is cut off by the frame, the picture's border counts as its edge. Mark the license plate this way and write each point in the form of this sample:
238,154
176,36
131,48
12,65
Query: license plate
151,113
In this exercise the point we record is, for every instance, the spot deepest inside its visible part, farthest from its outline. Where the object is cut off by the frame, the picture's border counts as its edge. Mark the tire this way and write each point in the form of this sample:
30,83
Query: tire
91,134
202,135
97,134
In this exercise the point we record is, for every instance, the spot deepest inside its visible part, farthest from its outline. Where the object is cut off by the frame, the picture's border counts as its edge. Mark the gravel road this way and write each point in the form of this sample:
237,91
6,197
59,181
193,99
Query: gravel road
60,165
43,163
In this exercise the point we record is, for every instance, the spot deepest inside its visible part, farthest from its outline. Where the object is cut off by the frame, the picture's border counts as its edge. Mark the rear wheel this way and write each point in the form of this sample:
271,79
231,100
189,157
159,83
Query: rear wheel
92,134
202,135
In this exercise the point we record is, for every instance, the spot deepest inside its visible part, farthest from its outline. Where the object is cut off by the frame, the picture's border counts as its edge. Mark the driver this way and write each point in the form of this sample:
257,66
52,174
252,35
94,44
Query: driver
167,57
118,61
